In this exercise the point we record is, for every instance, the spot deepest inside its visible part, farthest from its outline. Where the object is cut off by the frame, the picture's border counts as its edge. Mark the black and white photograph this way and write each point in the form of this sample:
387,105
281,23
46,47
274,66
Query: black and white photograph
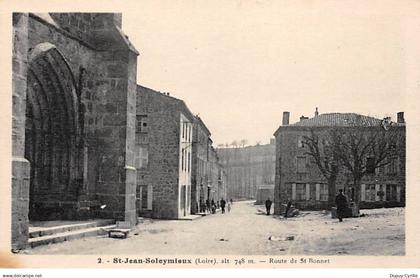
212,133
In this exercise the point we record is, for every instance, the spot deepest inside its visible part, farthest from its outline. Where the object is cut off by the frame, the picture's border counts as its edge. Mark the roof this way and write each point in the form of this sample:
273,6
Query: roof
183,105
203,125
339,119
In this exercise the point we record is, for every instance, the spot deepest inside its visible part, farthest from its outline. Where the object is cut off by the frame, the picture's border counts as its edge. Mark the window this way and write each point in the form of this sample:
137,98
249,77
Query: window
182,159
370,192
146,196
392,167
301,142
300,191
370,165
189,162
144,157
142,123
323,192
141,157
301,165
391,192
143,196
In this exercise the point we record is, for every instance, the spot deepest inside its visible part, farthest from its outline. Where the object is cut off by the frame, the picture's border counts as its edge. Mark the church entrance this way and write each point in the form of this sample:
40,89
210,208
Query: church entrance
53,143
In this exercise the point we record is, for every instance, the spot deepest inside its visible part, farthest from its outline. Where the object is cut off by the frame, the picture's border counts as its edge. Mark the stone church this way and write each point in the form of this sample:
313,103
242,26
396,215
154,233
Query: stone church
73,119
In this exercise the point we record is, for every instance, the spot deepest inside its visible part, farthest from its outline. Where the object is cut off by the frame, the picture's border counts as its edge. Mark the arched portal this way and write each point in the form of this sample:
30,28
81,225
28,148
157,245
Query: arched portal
52,135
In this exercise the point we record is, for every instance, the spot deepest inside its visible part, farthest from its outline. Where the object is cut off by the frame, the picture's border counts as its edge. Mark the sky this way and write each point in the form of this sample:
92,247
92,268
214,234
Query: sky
240,64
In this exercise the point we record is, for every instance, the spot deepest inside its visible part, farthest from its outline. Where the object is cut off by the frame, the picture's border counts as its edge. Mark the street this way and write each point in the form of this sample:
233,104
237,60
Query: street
246,230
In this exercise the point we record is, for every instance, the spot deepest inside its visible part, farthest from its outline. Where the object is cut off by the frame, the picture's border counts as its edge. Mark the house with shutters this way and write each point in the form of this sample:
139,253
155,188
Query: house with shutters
298,178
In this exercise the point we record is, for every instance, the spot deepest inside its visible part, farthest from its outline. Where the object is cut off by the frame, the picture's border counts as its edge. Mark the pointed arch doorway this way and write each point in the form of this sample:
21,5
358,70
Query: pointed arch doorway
53,141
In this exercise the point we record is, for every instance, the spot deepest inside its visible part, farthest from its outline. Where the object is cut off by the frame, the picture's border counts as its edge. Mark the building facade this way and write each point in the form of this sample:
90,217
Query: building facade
164,146
298,177
73,119
200,187
216,177
248,169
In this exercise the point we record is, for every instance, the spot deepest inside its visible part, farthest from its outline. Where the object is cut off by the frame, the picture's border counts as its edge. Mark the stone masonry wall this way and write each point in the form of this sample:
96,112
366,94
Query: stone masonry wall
106,87
20,166
199,176
163,116
287,151
107,80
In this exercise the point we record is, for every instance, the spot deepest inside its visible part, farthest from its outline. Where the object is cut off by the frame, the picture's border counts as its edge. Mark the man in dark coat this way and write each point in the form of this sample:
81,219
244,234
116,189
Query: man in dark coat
222,205
268,206
341,203
208,205
289,205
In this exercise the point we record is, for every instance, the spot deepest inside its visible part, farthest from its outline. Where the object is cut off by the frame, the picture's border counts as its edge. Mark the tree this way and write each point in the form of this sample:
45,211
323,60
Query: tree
359,150
324,156
244,142
362,150
234,144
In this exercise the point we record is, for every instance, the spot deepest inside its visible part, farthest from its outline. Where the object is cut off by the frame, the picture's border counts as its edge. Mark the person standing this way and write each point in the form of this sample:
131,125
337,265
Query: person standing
289,205
341,203
228,206
268,205
222,205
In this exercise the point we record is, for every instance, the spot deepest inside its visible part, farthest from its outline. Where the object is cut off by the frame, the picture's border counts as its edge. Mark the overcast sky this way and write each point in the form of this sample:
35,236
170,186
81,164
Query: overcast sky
240,64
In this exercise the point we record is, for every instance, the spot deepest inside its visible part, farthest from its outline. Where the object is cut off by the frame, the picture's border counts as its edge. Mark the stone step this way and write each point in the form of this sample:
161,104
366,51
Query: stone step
35,232
69,235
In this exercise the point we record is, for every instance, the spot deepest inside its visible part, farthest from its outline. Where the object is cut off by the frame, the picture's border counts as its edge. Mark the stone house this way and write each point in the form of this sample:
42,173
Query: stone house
216,177
73,119
200,159
299,179
164,144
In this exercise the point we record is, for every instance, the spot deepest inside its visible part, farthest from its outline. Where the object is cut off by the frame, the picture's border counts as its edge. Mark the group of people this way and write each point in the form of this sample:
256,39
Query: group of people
268,204
340,202
211,206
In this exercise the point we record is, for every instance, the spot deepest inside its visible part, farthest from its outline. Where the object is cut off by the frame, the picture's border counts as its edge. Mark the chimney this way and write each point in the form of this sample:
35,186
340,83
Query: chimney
400,117
303,118
316,111
286,116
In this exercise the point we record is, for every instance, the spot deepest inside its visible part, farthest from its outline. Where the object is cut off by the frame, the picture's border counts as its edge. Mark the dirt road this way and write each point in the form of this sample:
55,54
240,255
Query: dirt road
246,230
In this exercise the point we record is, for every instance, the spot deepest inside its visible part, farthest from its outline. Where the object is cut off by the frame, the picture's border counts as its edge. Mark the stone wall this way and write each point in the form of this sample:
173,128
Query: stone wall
199,179
107,84
20,166
163,143
287,151
100,64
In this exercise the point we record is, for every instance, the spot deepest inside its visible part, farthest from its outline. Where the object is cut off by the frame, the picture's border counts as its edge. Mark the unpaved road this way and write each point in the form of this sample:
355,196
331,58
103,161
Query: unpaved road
246,231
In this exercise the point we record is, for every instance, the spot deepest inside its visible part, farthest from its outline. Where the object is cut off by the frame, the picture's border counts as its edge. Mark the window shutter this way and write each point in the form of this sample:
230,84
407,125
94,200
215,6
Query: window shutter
363,192
308,192
149,196
317,191
377,188
398,193
294,191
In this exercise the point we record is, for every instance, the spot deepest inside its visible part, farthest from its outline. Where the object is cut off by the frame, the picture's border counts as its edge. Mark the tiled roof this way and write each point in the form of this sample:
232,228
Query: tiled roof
339,119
